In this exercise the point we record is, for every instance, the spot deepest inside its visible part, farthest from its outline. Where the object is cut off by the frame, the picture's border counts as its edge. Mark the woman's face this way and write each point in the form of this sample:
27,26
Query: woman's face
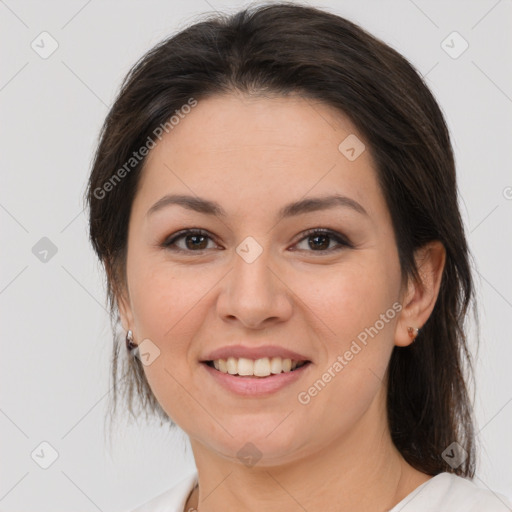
255,278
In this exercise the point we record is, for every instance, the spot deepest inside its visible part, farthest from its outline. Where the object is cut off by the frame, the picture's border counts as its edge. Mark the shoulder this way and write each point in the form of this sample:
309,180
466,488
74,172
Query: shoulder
172,500
447,492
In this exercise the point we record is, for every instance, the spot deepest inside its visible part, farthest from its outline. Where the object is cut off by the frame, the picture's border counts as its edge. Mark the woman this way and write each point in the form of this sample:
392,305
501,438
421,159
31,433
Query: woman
274,200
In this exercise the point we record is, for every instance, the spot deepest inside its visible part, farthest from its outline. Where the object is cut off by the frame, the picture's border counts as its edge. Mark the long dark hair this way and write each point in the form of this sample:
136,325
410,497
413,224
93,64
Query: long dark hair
288,48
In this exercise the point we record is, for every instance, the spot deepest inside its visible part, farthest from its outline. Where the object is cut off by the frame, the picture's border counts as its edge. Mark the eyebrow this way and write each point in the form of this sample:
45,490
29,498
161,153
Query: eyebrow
308,205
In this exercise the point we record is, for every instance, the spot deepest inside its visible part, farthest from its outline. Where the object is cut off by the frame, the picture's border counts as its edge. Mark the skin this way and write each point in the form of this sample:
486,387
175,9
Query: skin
253,155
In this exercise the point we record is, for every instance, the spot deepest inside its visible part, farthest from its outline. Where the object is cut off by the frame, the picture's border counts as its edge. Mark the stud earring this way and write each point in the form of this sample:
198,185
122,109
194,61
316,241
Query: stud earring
129,341
413,332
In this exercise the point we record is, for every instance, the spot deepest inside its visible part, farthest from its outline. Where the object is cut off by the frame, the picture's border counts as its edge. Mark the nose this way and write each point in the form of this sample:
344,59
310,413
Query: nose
255,294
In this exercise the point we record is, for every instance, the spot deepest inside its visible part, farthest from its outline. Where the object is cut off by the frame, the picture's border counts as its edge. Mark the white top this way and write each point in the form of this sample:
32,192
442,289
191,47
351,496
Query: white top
445,492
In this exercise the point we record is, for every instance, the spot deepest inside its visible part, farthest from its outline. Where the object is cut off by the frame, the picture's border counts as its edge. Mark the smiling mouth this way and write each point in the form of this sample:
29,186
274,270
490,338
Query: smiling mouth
260,368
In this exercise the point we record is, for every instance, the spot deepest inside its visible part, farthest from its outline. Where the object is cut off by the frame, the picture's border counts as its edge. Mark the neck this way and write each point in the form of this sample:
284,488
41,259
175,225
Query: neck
362,470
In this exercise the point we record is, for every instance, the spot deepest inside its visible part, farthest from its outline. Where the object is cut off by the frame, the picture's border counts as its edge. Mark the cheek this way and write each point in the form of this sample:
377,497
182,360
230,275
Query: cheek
154,297
169,303
356,304
348,299
163,305
357,307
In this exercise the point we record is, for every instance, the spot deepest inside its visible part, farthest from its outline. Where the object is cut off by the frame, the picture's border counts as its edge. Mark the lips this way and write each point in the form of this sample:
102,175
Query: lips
238,351
252,386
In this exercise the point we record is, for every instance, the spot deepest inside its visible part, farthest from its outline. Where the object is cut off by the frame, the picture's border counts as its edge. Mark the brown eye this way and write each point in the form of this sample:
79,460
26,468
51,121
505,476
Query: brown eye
319,240
195,240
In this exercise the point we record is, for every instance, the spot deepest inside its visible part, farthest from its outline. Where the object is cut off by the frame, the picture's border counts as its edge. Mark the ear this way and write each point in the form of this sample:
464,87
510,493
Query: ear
125,311
122,297
420,297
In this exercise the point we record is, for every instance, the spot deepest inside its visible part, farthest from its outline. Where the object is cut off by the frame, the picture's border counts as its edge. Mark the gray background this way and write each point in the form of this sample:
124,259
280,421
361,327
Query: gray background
55,333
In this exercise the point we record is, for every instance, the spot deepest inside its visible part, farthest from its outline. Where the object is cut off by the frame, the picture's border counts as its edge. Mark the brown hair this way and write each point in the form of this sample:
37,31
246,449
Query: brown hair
288,48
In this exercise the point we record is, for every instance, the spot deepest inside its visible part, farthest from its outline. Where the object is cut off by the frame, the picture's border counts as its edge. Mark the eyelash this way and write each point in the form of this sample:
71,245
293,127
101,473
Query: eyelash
342,241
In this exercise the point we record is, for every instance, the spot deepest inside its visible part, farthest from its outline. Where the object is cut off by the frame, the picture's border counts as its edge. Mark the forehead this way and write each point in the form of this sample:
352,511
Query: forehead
260,150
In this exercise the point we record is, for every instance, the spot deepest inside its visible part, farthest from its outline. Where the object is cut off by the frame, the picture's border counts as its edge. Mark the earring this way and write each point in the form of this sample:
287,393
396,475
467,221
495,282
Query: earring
413,332
129,341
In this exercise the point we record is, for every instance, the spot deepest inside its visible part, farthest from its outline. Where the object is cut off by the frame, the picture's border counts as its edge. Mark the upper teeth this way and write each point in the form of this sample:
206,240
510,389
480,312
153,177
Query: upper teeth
259,367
